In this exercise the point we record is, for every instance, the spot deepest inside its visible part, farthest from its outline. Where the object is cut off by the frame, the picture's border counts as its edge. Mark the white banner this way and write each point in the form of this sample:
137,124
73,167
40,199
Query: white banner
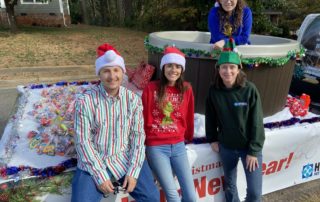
290,157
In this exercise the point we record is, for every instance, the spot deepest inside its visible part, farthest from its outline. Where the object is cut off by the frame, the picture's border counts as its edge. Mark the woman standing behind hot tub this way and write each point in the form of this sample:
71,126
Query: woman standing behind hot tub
234,14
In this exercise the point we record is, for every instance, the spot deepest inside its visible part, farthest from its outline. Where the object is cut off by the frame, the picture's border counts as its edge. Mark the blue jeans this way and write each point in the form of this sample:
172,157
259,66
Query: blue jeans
85,190
230,159
165,160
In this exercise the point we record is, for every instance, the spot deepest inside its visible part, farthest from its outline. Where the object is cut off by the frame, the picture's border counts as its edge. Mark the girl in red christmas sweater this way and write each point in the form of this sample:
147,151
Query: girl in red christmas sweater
168,109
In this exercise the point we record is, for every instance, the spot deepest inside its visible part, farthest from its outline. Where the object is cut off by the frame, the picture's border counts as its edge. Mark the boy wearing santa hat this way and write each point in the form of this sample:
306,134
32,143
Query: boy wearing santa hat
110,137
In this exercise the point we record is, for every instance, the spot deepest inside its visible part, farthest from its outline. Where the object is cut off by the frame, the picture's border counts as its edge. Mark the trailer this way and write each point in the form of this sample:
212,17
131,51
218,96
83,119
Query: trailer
307,75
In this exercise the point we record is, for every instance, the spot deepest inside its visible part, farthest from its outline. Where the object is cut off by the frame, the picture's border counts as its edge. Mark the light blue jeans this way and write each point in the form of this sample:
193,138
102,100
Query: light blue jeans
165,160
85,190
230,159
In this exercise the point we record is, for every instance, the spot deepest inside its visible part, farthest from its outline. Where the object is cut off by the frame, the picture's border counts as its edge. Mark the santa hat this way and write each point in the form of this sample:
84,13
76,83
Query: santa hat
108,56
173,55
229,53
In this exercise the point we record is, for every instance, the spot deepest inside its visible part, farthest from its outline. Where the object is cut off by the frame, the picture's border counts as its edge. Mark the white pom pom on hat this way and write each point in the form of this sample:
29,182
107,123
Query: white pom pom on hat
108,57
173,55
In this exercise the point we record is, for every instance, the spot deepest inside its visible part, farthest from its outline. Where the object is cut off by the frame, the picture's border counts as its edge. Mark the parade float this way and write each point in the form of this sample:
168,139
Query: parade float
37,154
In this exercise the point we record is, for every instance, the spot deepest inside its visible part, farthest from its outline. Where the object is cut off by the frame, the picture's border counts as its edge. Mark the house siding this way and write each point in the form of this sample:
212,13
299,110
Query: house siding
50,7
48,14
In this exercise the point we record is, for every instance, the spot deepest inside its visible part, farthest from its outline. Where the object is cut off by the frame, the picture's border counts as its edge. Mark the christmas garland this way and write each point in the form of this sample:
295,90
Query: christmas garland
18,172
29,189
271,125
249,62
290,122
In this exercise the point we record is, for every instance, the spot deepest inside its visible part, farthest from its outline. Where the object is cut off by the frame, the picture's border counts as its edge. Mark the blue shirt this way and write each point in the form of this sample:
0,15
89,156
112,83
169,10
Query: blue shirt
241,36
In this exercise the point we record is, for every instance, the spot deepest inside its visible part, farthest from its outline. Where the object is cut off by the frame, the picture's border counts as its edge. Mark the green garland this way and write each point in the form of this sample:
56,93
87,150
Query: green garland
214,54
188,51
29,189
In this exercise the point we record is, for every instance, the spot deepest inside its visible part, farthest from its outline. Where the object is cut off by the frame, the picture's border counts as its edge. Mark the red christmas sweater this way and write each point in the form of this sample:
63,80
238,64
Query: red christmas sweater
172,124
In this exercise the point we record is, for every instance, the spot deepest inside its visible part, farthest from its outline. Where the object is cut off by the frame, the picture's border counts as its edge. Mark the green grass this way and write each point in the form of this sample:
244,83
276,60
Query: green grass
75,45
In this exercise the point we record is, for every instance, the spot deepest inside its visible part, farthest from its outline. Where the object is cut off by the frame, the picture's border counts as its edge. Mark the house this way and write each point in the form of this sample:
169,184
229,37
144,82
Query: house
3,15
274,16
39,12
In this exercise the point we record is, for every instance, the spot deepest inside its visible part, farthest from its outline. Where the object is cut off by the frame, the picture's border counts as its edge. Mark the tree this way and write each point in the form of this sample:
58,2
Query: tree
128,10
152,15
297,10
120,10
83,9
10,11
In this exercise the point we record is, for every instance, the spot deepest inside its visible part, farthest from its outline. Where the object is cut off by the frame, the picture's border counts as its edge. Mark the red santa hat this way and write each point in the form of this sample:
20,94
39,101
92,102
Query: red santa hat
108,56
173,55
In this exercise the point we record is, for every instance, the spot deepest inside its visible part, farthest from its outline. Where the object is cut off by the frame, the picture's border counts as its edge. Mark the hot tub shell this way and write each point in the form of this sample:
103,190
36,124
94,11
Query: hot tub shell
273,82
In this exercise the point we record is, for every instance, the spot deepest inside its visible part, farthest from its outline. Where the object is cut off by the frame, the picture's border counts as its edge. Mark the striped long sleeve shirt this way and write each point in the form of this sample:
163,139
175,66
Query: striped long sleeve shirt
109,133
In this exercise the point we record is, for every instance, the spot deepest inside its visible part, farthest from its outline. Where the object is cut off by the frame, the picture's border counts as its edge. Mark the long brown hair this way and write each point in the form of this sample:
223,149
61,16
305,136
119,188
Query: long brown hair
237,15
164,83
218,82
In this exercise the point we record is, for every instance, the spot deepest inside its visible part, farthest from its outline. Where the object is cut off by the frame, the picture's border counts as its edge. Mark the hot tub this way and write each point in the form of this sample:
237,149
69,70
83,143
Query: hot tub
267,63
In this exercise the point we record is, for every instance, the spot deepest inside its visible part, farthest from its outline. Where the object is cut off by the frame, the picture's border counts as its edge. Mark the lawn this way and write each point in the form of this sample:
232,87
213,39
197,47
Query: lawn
74,45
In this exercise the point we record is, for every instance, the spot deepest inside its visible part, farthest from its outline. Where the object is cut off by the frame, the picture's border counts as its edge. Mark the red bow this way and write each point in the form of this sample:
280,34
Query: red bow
299,107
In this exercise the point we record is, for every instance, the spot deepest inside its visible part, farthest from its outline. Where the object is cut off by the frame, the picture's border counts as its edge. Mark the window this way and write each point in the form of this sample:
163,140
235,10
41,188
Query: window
34,1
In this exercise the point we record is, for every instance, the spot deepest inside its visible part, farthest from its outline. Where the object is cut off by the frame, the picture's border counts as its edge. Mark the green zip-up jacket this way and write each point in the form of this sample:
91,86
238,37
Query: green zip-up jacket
234,118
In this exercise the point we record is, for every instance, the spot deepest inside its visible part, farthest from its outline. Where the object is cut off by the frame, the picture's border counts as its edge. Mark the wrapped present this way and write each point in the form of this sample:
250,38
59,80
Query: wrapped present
299,107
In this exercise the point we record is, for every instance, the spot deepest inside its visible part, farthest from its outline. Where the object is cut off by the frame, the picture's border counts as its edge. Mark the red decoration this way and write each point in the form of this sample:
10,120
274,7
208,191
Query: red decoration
143,75
104,48
299,107
305,101
45,122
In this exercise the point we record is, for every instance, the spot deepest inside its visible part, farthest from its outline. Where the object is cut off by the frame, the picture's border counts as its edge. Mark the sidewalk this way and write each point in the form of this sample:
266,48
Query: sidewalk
7,101
11,77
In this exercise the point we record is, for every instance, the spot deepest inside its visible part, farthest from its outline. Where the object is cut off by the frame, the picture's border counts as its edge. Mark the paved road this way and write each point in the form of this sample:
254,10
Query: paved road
7,102
306,192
